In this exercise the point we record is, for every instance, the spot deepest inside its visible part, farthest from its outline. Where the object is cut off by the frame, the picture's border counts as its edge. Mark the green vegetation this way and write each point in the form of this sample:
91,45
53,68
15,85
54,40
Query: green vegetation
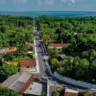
60,93
80,34
88,94
14,32
7,92
7,70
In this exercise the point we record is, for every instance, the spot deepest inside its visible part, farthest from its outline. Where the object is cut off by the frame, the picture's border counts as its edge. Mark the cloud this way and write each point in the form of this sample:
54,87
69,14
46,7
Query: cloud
68,1
45,2
19,1
49,2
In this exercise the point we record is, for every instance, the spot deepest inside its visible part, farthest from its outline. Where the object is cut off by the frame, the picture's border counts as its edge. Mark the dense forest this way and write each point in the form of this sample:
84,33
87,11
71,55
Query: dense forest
14,32
80,34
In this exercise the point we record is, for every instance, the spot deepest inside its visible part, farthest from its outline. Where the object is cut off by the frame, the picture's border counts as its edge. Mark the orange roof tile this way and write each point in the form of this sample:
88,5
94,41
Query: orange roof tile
28,62
58,44
26,84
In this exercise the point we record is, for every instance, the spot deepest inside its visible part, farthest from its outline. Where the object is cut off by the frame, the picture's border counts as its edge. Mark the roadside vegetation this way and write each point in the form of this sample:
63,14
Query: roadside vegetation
80,56
6,70
88,93
7,92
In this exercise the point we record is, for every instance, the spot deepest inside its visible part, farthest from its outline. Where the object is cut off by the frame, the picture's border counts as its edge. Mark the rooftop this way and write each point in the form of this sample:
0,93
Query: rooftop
54,44
28,62
70,92
2,51
28,43
35,88
25,83
16,81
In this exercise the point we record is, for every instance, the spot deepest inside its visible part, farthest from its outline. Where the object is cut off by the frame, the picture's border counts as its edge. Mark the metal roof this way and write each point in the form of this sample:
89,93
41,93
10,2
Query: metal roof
2,51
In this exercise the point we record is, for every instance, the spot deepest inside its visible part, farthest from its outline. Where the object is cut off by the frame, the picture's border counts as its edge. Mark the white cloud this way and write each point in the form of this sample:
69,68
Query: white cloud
68,1
49,2
20,1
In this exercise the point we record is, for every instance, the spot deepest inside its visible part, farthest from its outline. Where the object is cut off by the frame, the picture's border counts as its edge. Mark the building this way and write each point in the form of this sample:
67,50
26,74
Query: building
70,92
6,50
26,83
58,45
11,50
26,64
28,44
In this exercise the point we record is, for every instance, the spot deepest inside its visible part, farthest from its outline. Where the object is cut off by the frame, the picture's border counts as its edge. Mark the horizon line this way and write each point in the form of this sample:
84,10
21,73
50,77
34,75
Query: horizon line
44,11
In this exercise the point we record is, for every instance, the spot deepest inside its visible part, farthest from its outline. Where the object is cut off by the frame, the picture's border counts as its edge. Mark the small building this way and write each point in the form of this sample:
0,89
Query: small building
70,92
29,63
28,43
6,50
26,84
3,51
11,50
58,45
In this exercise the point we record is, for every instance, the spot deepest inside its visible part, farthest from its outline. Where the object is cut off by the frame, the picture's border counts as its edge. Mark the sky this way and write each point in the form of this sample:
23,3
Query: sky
47,5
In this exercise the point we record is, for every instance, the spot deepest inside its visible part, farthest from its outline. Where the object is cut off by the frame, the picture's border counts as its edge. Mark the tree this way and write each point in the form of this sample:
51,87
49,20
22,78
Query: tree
89,94
84,62
9,56
7,70
54,63
7,92
53,52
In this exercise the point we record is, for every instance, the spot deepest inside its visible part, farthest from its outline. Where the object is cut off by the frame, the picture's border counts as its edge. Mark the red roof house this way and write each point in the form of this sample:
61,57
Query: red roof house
58,45
29,63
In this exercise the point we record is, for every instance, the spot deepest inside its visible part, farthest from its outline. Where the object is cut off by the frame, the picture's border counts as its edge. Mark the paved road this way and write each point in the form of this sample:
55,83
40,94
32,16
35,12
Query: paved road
40,53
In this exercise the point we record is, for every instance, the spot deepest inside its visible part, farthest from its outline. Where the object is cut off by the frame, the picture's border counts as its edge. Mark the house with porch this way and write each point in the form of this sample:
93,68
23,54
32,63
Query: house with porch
27,64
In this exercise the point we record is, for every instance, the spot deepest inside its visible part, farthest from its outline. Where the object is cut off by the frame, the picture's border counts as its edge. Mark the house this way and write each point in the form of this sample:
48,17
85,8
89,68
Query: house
26,64
58,45
11,50
28,43
26,83
70,92
3,51
6,50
